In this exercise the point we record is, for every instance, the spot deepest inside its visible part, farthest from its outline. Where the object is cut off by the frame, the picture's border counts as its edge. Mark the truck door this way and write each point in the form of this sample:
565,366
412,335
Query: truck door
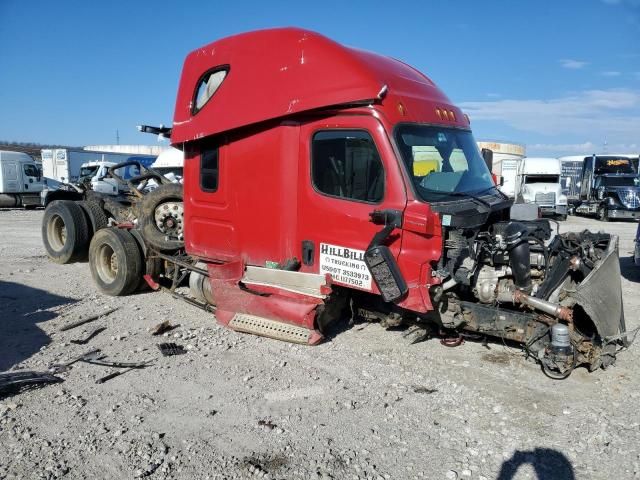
31,179
347,171
10,175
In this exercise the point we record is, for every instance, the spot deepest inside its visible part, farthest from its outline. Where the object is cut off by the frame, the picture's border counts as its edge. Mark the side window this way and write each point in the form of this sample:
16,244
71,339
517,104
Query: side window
209,170
346,164
207,86
30,170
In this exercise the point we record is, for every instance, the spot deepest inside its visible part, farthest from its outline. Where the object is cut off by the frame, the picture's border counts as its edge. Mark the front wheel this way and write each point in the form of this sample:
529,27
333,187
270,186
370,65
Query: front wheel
115,261
602,214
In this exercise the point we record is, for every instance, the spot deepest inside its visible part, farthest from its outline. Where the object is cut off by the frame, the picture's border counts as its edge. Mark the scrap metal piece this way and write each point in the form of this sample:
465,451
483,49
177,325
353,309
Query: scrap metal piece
82,321
120,372
62,367
170,349
85,340
162,327
14,382
107,363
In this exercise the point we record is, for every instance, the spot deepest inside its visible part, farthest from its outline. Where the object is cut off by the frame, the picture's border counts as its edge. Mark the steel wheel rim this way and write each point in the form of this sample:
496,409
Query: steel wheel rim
107,263
57,233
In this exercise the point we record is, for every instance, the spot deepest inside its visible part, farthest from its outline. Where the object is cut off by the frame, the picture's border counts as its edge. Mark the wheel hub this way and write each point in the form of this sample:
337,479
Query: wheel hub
169,218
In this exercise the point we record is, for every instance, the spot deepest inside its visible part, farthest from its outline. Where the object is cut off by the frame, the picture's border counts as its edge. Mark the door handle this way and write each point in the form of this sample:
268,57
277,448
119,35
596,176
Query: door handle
387,217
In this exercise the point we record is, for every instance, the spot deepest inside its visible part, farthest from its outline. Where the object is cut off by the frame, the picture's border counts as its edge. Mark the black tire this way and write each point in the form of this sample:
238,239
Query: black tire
65,232
562,218
147,221
603,216
96,215
115,261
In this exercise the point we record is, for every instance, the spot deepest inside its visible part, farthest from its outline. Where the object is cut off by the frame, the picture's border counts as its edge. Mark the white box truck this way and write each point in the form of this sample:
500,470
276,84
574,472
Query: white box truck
538,182
20,180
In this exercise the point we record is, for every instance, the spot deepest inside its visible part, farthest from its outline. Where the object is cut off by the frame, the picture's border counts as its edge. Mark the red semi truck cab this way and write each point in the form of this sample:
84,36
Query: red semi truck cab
325,183
293,142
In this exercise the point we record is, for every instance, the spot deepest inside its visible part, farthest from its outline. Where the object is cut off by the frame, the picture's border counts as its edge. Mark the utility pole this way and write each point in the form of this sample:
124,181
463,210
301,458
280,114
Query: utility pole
117,137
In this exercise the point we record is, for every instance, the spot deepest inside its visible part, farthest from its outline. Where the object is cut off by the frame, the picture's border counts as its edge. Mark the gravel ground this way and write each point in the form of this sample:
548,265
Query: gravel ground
362,405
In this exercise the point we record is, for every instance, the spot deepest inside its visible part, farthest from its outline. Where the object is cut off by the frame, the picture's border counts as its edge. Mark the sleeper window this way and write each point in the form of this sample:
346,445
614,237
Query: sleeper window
208,85
346,164
209,170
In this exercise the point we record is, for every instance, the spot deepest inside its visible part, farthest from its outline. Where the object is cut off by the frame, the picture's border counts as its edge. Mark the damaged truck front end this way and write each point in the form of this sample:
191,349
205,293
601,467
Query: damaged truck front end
560,300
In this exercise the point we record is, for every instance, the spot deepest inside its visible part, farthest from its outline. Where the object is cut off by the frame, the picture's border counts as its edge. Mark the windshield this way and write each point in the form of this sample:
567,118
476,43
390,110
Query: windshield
88,172
617,181
442,160
542,179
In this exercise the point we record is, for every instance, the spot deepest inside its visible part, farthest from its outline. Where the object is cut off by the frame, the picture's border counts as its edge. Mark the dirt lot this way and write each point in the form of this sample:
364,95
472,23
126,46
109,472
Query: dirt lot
362,405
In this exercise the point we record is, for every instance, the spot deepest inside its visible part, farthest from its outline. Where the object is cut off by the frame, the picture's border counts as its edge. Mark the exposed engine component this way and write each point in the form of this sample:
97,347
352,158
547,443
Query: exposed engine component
551,291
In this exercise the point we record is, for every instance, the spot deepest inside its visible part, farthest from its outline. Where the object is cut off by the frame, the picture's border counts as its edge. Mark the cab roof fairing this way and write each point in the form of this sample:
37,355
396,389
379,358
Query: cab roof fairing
281,72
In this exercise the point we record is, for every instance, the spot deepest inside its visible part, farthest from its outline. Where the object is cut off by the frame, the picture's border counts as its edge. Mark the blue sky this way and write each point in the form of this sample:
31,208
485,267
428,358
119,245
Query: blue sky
561,76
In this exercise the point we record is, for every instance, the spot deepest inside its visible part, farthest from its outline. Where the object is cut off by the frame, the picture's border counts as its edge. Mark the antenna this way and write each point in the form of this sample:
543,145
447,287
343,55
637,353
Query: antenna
117,137
604,147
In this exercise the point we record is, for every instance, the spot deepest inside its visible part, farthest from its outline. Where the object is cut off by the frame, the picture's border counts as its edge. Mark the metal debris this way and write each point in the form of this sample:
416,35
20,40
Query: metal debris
90,335
82,321
62,367
170,349
15,382
122,372
162,327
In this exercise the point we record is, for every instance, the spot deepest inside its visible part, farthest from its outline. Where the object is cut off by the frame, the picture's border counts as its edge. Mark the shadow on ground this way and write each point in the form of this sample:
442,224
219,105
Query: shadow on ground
548,464
629,269
21,309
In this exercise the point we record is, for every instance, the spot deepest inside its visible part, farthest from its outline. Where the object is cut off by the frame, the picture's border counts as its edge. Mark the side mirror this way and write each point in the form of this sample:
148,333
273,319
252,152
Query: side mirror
501,181
487,155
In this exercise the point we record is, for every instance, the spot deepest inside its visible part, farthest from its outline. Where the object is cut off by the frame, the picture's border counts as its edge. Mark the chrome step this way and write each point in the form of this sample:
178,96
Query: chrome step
242,322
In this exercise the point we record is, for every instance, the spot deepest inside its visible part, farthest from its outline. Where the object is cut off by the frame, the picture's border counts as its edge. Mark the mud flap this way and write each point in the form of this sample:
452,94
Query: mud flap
600,296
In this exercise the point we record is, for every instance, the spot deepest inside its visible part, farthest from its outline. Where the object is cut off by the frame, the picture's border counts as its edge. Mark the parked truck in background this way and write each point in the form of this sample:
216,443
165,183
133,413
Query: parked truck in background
20,180
610,187
62,165
170,163
507,157
65,170
570,176
372,202
538,182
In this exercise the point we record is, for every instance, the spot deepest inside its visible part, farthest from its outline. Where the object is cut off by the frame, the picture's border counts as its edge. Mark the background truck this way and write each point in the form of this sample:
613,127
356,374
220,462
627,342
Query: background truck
570,176
373,202
506,160
20,180
538,182
62,165
610,187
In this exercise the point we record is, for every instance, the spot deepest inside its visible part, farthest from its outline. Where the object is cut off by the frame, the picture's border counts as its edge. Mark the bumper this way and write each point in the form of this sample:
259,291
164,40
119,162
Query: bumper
553,209
619,213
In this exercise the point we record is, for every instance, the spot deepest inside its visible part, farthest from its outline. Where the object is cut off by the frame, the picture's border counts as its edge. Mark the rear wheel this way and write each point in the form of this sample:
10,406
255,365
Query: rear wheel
96,215
115,261
65,232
